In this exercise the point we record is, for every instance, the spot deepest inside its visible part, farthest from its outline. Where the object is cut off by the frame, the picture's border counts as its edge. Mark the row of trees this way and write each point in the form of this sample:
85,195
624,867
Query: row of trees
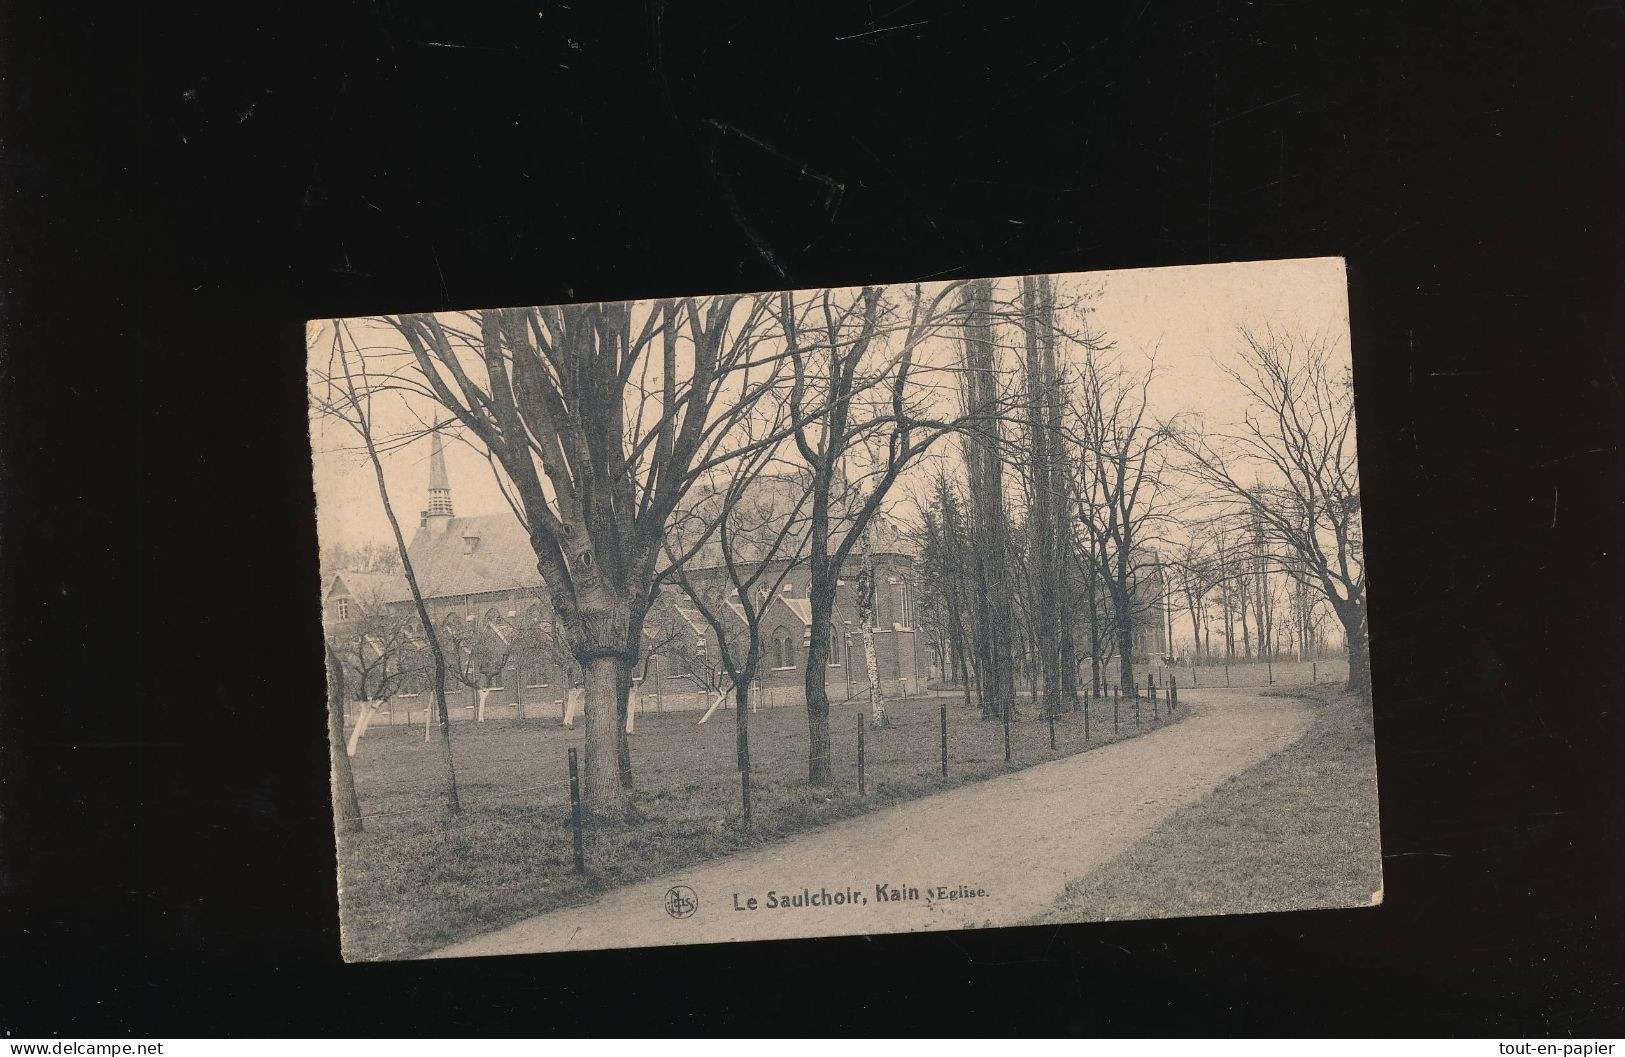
1227,585
630,438
1060,513
1120,519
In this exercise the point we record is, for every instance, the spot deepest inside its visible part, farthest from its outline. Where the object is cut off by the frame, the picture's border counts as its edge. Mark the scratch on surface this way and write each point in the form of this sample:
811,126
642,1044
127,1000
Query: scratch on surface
1255,109
444,292
1423,854
461,47
837,189
1581,454
883,29
757,241
1554,506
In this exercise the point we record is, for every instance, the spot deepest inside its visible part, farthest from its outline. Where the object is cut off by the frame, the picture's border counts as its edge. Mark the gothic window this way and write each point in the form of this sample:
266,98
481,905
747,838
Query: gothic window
344,608
782,654
834,646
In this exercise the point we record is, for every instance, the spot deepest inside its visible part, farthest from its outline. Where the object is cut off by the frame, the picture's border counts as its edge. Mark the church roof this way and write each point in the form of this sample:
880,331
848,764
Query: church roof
499,559
801,607
369,586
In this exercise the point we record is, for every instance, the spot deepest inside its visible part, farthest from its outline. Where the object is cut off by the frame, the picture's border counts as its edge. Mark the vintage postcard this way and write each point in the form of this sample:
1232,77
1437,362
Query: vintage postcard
935,605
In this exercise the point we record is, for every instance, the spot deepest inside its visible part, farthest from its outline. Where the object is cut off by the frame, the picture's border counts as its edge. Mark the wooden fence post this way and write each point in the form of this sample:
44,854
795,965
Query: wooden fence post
1051,730
1007,707
1269,667
1151,692
1114,715
575,814
1173,692
860,753
1086,715
944,738
1136,698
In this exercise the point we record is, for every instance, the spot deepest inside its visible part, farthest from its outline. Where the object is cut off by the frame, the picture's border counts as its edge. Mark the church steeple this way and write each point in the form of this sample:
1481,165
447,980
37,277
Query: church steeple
439,481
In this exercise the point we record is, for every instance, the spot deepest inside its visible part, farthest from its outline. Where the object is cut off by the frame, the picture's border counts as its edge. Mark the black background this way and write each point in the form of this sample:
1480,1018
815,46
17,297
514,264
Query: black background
184,186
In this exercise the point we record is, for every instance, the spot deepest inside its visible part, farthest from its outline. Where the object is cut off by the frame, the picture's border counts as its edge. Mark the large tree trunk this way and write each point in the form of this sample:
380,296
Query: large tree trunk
1125,651
984,639
602,793
1246,635
1229,626
346,808
1068,663
1261,613
963,662
1352,616
1043,544
623,744
1123,600
988,527
742,728
821,597
634,647
1096,672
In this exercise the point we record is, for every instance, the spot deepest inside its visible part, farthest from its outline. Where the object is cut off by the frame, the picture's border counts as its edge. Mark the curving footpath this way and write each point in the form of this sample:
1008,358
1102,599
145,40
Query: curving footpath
997,852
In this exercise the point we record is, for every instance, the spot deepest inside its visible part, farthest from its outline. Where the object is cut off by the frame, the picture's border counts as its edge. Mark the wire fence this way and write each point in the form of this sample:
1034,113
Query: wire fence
1110,705
1147,706
683,693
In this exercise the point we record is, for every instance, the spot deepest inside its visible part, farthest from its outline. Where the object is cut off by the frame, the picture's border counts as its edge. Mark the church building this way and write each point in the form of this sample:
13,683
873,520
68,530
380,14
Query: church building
490,606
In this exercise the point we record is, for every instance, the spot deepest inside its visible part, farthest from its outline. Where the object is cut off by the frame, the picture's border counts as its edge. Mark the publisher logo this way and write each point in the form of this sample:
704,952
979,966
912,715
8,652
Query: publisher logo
681,902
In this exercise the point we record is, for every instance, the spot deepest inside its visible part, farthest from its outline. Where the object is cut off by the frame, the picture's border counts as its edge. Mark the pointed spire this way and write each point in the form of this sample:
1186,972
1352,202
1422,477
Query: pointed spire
439,480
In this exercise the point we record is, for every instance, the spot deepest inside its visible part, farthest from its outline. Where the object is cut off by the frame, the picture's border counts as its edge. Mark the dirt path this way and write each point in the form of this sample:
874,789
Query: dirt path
1012,843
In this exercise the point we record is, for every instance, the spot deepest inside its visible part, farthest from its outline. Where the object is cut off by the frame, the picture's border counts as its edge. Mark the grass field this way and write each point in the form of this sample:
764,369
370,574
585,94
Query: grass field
1297,831
416,879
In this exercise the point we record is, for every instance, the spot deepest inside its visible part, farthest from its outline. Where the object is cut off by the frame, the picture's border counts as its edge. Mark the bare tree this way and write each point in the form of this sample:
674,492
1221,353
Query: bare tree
1049,507
478,648
689,651
988,525
600,417
857,407
759,526
338,394
1289,467
377,649
946,595
1231,565
346,808
1262,590
1118,481
1193,576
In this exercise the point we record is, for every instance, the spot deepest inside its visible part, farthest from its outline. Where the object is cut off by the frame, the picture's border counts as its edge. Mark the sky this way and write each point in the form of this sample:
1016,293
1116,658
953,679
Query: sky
1187,317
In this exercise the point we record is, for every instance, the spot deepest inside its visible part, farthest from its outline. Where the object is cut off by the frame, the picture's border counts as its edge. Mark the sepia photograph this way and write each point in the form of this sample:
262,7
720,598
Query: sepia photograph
554,523
937,605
